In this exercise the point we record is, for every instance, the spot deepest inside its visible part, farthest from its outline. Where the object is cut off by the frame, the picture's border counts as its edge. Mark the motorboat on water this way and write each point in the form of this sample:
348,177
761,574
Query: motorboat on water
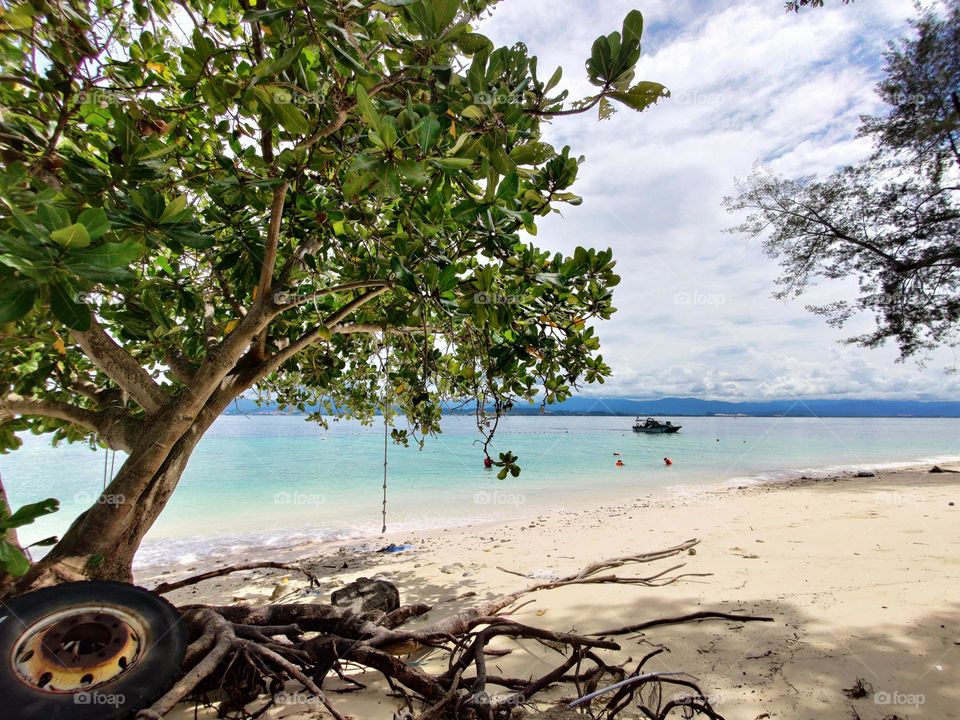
653,427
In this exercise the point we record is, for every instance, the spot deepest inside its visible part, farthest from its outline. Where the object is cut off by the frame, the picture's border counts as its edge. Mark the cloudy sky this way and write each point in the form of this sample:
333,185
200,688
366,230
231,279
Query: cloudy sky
750,83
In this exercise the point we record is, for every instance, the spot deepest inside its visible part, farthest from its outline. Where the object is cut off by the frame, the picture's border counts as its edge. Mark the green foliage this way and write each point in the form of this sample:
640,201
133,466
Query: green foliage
795,5
145,146
611,67
13,561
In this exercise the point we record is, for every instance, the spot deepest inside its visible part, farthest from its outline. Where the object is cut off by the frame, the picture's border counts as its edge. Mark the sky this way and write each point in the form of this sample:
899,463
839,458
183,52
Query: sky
750,83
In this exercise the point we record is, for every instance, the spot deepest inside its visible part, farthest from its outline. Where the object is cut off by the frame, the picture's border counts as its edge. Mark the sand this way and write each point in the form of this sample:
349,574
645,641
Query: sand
862,576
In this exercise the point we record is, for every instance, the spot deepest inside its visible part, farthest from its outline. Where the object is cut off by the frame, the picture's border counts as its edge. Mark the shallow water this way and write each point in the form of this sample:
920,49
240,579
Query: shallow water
274,480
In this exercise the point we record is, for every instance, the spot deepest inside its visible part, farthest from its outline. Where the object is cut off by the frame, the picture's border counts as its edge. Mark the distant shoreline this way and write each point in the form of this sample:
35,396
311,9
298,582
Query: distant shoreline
573,413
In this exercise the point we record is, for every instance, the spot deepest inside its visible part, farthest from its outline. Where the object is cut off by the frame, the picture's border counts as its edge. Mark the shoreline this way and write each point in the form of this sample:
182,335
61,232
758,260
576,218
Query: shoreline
217,547
861,574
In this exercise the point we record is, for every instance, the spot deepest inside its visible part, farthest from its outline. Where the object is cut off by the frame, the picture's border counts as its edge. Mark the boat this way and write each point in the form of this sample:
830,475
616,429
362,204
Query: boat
652,427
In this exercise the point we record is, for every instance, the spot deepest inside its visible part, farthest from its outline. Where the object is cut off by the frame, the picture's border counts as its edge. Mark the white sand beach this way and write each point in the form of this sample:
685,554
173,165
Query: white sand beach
862,576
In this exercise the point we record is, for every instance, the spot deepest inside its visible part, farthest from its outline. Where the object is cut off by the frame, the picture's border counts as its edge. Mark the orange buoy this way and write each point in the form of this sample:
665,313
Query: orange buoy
667,461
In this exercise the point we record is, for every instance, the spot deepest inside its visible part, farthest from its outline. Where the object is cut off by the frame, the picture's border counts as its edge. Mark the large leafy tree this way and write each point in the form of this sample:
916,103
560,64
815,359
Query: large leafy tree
891,222
206,197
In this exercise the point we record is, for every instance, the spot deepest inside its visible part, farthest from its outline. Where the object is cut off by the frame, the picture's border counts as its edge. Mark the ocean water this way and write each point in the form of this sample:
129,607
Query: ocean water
267,481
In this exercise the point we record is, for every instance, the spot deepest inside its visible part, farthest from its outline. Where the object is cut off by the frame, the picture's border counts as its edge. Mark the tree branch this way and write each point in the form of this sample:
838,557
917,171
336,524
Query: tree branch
342,114
329,325
117,430
265,286
357,285
121,367
273,240
353,305
371,328
180,367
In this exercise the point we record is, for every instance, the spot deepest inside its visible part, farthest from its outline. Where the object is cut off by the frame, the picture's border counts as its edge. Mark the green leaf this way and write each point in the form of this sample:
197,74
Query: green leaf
106,263
428,130
291,119
95,221
12,560
46,542
365,105
52,217
67,310
532,154
472,43
174,208
453,163
413,172
554,80
109,255
632,27
508,187
20,17
28,513
75,236
642,95
16,300
501,161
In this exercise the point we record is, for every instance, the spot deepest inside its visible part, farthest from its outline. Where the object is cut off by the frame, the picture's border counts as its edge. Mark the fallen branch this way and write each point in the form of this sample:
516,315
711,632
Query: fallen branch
692,617
194,579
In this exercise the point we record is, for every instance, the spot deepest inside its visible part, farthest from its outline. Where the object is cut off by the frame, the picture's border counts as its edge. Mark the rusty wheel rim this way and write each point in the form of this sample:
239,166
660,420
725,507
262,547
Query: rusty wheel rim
77,649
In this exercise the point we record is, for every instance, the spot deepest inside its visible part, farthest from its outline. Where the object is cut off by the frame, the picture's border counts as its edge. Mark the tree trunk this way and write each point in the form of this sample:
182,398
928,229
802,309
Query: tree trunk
102,541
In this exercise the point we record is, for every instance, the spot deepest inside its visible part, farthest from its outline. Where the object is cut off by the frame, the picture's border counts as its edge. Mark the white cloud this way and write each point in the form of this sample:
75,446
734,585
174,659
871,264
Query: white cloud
750,83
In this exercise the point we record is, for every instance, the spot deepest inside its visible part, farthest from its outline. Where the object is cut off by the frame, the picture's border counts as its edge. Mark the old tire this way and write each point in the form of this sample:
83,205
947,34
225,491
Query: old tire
87,651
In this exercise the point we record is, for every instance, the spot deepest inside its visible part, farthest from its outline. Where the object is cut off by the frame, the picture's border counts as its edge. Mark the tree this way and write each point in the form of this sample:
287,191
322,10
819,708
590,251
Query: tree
207,197
891,222
795,5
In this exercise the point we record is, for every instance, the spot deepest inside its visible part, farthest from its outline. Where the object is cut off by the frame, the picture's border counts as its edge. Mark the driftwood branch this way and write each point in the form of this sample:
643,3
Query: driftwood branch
692,617
220,572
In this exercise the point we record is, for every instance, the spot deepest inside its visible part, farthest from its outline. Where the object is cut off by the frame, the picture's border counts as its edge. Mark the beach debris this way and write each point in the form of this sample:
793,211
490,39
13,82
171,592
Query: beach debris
938,469
62,644
244,655
391,548
864,474
280,589
364,595
860,689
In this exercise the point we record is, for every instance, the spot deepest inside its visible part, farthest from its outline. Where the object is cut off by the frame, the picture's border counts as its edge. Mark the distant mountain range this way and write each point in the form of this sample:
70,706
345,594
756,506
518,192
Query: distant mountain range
767,408
696,407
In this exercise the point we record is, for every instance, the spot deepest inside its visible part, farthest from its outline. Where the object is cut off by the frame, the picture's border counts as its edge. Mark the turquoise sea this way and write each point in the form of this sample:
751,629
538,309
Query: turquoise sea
267,481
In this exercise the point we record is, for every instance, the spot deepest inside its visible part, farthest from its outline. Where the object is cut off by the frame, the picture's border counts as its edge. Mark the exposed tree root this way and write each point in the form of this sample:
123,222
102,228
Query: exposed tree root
241,658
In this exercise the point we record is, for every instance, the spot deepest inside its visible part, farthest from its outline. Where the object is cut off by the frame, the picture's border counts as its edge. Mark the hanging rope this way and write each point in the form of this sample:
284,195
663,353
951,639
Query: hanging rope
385,410
106,454
111,454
